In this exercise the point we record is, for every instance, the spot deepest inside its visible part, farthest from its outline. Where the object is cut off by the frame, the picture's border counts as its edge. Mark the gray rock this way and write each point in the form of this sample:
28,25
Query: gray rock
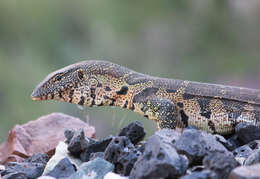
134,131
75,143
228,144
30,170
168,135
92,146
246,172
62,170
69,133
197,144
15,175
254,158
220,163
122,153
159,160
31,167
61,153
242,153
38,158
247,133
205,174
94,169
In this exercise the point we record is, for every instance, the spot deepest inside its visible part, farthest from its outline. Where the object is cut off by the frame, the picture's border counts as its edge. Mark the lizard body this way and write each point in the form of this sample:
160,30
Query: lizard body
171,103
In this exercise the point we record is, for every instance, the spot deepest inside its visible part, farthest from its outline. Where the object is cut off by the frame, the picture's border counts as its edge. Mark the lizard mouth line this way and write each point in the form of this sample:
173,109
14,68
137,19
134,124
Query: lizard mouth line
36,98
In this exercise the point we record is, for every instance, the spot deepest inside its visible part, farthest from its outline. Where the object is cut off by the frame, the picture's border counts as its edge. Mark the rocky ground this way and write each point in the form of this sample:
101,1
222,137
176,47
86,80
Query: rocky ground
192,154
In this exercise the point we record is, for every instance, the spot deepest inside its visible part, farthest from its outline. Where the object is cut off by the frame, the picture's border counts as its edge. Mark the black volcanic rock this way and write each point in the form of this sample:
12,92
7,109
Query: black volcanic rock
220,163
122,153
197,144
90,146
159,160
134,131
247,133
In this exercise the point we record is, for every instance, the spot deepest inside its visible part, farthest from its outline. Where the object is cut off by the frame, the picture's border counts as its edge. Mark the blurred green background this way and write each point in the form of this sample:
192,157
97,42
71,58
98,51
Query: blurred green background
210,41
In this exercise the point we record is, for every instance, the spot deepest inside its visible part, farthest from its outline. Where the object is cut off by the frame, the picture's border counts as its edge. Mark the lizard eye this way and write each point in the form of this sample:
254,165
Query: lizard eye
58,78
80,74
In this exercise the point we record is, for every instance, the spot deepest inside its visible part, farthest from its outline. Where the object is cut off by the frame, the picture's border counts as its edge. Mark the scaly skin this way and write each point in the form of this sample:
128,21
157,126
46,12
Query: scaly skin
171,103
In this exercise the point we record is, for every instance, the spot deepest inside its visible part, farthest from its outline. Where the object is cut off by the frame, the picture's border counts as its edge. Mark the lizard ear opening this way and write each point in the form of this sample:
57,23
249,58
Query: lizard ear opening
80,74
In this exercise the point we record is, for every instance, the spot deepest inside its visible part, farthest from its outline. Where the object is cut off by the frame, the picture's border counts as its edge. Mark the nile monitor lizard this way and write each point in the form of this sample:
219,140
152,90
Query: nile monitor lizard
171,103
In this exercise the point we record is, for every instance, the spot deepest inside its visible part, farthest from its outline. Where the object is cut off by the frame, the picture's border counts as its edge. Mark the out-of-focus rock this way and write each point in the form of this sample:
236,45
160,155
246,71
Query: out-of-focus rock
15,175
134,131
94,169
63,169
246,172
247,133
40,136
61,153
205,174
111,175
197,144
220,163
122,153
30,168
159,160
254,158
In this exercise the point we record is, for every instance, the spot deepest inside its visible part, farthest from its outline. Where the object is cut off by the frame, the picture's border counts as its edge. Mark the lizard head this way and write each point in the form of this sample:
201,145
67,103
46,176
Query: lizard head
62,84
88,83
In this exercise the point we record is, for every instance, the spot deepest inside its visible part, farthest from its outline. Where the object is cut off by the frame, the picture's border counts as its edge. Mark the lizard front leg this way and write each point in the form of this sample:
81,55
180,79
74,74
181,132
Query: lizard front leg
162,111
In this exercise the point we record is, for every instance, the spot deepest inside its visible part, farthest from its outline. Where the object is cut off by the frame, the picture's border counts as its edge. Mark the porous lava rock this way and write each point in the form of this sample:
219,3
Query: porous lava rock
159,160
197,144
134,131
122,153
220,163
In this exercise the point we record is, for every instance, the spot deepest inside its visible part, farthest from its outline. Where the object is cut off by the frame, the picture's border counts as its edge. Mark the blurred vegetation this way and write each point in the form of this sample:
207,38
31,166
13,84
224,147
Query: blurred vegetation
210,41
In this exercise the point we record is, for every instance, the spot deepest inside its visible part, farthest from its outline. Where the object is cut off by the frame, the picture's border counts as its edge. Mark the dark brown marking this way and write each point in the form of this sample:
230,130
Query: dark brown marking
206,114
126,103
212,126
107,88
80,74
204,107
52,95
170,91
187,96
82,100
143,95
122,91
180,104
146,116
133,107
60,95
92,93
71,95
184,118
99,85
